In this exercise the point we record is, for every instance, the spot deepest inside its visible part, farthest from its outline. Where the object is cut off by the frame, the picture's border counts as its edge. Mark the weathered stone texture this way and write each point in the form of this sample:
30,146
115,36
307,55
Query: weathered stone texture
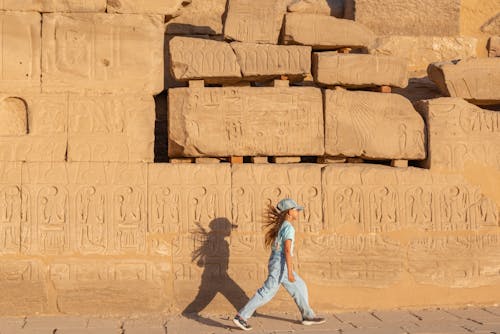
54,5
102,53
410,18
197,58
261,61
492,26
165,7
359,70
325,32
34,127
421,51
494,46
254,21
200,17
116,128
20,52
324,7
372,125
241,121
476,80
460,133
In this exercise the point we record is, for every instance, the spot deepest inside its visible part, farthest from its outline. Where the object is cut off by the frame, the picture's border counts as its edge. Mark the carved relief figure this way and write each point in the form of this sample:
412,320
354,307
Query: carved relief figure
52,204
311,218
165,211
454,209
383,203
348,206
129,225
90,216
10,218
419,208
243,210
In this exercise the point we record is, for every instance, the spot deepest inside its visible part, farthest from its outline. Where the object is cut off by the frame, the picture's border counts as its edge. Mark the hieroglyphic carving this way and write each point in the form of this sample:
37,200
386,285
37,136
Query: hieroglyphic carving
325,32
10,208
39,131
475,80
20,37
458,262
372,125
494,46
265,61
89,208
255,187
98,53
368,261
254,21
245,121
359,70
381,199
186,202
20,270
168,7
472,134
200,17
199,58
118,128
54,5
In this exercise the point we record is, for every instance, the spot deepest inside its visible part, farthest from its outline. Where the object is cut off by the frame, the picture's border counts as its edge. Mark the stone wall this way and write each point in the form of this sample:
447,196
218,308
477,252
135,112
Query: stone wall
99,99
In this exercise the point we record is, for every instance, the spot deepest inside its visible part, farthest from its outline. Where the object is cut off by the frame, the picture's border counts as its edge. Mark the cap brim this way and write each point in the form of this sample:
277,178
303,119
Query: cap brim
299,207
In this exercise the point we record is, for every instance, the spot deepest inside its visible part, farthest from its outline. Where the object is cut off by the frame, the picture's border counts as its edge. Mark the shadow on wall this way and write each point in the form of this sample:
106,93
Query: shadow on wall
213,256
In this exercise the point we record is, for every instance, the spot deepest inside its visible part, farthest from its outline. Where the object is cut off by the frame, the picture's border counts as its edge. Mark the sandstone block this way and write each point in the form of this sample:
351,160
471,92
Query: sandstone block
409,18
102,53
359,70
196,58
200,17
372,125
492,26
164,7
245,121
33,127
423,50
476,80
494,46
325,32
324,7
20,52
254,21
117,128
460,133
267,61
54,5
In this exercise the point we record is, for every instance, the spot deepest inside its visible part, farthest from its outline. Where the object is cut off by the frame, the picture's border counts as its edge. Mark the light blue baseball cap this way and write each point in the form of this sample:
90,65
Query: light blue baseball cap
287,204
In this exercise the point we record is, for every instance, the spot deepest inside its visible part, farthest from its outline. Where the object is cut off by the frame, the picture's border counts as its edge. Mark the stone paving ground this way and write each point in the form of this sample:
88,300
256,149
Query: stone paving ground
485,320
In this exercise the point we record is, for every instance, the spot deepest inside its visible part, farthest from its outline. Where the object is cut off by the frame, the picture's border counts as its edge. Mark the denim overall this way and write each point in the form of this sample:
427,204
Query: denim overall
278,274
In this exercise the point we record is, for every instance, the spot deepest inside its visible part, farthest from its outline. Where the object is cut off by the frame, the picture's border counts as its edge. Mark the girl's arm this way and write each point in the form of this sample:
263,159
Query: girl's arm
288,259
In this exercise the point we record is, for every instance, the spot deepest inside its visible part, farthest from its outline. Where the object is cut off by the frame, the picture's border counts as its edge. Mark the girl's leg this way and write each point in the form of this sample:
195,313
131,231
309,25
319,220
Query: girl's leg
266,292
298,291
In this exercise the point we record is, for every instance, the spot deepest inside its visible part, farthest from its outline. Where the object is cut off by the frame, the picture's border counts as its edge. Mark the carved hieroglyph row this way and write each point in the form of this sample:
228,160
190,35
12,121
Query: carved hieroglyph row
55,5
245,121
372,125
220,62
99,52
460,132
42,127
475,80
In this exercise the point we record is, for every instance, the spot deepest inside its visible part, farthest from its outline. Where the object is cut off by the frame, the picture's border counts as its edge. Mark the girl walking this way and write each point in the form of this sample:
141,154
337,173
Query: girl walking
280,237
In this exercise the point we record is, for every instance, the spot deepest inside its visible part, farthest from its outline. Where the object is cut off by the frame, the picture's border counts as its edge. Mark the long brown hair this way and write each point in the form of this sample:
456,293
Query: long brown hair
273,219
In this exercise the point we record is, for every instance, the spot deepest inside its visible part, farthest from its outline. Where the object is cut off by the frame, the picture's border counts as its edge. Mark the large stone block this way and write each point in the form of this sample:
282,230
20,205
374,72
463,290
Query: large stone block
243,121
33,127
494,46
20,52
325,32
324,7
84,208
460,133
116,128
200,17
359,70
164,7
267,61
492,26
409,18
476,80
254,21
102,53
54,5
372,125
423,50
197,58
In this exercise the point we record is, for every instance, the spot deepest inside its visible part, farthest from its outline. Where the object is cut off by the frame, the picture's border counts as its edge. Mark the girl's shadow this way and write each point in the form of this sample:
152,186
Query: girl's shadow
213,256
